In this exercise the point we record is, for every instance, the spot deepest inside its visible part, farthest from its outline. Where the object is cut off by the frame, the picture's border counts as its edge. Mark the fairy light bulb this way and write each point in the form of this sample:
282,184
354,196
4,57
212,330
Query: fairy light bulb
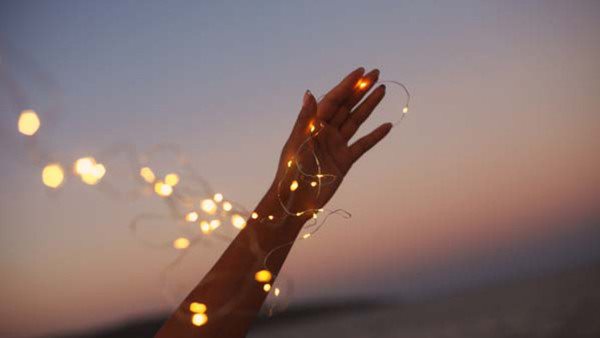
362,84
191,216
199,319
271,217
147,174
162,189
289,163
276,292
306,236
254,215
313,184
181,243
196,307
53,175
28,123
267,287
405,109
238,221
214,224
205,227
89,170
294,185
227,206
312,128
172,179
208,206
218,197
84,165
263,276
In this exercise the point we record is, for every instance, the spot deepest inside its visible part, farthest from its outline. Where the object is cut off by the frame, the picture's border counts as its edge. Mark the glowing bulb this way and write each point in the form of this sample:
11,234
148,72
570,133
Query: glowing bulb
276,292
306,236
191,216
289,164
91,172
299,213
205,227
172,179
254,215
320,175
263,276
312,128
181,243
199,319
218,197
84,165
28,123
215,223
89,179
294,185
209,206
313,184
362,84
227,206
405,109
267,287
53,175
238,221
314,215
147,175
271,217
162,189
99,170
196,307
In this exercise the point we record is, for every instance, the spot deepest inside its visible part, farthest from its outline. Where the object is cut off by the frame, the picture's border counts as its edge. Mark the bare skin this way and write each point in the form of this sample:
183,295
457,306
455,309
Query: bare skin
232,295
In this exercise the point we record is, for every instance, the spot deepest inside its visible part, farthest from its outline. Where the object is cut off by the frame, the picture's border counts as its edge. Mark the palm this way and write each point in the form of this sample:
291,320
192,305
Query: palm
323,130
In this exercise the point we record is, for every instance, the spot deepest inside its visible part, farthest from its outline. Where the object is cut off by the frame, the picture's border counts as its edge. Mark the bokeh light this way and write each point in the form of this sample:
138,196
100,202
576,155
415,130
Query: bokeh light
147,174
162,189
199,319
29,122
53,175
238,221
172,179
263,276
181,243
208,206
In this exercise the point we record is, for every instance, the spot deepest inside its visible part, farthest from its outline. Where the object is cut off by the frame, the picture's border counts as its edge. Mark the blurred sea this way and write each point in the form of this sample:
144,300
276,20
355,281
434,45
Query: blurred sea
563,304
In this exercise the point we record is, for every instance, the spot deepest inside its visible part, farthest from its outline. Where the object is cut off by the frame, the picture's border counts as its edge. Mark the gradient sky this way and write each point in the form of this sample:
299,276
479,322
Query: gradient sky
494,174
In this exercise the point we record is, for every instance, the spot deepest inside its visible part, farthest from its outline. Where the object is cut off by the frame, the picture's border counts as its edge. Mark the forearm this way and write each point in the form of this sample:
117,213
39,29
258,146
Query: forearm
232,296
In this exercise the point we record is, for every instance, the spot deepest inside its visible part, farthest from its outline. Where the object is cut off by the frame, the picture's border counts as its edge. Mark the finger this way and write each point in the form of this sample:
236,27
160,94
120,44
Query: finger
308,111
361,113
338,95
361,87
368,141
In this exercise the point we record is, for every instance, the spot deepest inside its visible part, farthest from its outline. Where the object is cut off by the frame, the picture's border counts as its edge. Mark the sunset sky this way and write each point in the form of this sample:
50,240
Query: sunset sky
495,173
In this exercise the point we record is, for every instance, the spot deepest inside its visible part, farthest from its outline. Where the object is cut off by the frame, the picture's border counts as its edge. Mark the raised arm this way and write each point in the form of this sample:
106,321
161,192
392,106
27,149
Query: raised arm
228,298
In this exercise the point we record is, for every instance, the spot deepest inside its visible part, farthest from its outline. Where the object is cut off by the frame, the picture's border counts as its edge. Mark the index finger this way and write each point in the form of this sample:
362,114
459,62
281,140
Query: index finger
338,95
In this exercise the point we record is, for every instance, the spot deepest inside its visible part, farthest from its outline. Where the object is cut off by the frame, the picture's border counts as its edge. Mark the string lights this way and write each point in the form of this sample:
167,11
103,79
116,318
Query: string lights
191,200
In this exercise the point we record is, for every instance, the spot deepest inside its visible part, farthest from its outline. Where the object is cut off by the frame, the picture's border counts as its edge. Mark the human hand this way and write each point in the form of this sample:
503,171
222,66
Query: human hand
317,155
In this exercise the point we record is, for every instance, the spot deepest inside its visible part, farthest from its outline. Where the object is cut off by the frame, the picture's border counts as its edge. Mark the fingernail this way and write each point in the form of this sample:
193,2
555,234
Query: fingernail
307,95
